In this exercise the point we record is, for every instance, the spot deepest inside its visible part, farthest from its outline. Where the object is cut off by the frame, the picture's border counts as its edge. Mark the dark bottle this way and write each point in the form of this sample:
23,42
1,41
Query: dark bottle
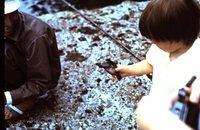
186,111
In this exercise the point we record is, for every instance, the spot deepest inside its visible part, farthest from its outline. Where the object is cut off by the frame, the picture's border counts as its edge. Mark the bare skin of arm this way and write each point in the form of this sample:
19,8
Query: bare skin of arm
137,69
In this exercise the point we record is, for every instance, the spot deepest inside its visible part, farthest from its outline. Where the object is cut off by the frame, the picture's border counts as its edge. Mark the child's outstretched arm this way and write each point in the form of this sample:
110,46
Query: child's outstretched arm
137,69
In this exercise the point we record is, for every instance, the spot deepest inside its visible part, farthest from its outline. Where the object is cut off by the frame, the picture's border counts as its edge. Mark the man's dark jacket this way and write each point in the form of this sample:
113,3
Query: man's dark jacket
32,64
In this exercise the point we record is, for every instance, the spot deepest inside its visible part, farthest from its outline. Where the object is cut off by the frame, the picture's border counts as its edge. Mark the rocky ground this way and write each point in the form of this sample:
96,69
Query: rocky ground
86,97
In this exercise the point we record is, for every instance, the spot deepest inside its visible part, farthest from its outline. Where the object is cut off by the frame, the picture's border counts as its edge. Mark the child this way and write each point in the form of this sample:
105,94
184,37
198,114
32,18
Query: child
173,27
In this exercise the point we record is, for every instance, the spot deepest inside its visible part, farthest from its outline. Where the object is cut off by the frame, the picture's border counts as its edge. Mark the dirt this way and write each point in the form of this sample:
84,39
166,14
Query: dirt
86,97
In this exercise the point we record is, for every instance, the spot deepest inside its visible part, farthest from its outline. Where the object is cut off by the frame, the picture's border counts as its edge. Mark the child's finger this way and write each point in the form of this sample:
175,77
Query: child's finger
119,68
114,78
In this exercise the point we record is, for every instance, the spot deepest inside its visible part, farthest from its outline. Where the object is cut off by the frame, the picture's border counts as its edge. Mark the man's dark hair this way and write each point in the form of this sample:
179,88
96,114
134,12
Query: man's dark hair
171,20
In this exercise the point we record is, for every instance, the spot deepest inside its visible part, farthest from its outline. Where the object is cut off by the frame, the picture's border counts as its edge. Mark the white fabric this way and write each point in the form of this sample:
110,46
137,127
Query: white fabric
8,97
16,109
11,6
169,76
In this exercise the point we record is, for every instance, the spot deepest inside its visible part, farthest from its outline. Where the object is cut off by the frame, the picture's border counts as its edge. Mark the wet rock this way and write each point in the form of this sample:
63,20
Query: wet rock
83,91
96,38
29,124
82,39
79,99
86,97
125,17
61,52
91,4
73,28
88,111
57,30
74,56
87,30
120,35
98,22
100,110
98,80
116,25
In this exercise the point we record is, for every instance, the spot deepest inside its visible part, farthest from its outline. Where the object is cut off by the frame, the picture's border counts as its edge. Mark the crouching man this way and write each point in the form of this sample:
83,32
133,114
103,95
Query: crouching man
32,64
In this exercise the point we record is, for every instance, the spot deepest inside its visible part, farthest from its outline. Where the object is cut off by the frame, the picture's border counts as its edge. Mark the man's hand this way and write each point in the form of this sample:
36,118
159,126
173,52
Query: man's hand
7,113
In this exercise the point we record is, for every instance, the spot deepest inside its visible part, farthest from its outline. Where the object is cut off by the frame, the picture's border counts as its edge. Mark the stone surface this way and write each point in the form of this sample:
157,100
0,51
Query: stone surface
86,97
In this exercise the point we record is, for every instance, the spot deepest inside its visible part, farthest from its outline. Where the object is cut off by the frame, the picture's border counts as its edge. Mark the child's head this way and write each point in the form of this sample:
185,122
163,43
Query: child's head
171,20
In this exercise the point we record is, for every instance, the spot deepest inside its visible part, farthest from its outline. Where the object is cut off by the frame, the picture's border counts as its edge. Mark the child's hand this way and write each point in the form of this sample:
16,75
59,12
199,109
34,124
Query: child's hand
123,70
137,69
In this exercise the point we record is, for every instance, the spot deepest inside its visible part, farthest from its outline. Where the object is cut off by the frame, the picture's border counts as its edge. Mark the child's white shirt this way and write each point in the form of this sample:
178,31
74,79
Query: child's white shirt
169,76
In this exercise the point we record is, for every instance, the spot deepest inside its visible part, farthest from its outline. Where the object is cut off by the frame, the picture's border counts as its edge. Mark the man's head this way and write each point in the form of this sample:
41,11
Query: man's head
11,16
171,20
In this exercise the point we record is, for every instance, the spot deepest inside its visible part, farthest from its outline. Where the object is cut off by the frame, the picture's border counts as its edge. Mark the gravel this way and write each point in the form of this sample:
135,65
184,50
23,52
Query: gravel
86,97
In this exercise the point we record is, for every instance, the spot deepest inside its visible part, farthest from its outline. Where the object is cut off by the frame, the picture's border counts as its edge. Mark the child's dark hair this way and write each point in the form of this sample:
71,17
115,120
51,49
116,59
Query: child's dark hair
171,20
